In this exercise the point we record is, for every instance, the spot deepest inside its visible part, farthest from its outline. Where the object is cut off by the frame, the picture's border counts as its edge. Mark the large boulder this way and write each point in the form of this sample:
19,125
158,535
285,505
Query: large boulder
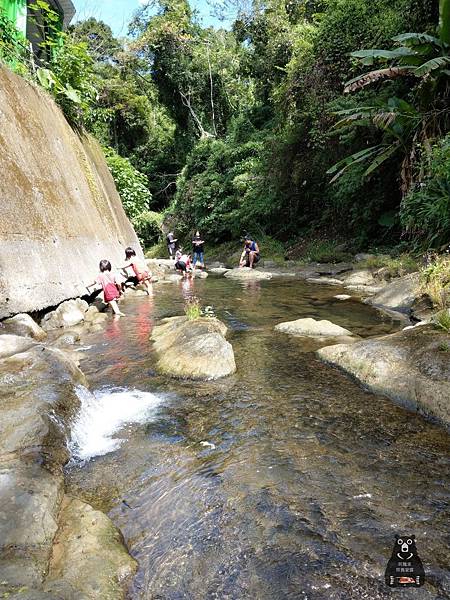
412,367
89,557
313,328
399,294
194,349
67,314
247,274
23,324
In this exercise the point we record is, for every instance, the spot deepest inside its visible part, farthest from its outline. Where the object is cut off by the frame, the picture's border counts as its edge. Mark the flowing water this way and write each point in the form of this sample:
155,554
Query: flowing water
285,480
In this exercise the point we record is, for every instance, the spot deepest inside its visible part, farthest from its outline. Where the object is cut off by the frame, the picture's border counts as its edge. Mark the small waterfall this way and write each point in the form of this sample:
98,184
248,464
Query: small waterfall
103,413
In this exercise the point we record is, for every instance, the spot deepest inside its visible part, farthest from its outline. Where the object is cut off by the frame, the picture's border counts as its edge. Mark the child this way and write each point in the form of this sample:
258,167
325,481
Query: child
140,270
111,289
183,262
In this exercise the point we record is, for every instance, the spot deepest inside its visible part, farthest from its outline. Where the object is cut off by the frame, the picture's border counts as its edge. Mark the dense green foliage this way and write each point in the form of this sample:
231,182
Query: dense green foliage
273,126
425,211
132,186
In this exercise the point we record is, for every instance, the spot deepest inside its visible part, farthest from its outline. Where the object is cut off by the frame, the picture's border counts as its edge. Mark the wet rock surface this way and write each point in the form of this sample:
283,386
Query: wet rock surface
194,349
89,558
22,324
38,403
13,344
411,367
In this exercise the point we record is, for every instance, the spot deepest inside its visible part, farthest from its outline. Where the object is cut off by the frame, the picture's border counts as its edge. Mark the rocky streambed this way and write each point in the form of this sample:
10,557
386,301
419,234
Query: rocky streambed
56,540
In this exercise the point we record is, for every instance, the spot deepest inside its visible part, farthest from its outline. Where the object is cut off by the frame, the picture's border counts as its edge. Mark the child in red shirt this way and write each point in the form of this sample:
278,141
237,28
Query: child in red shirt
140,270
111,288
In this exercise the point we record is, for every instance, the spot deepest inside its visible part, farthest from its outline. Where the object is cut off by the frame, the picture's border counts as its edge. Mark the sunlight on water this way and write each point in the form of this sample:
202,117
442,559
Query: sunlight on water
104,413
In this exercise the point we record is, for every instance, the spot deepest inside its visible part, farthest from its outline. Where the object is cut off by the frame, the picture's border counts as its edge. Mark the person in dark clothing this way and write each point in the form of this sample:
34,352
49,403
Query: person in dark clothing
198,250
250,254
171,244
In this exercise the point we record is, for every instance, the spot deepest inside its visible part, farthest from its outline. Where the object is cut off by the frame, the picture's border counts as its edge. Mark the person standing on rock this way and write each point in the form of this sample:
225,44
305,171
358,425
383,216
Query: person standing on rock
111,287
250,254
171,243
198,251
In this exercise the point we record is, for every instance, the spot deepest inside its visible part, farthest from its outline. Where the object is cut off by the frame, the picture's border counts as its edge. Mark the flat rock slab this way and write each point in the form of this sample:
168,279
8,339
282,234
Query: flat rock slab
218,270
324,280
312,328
194,349
408,366
246,274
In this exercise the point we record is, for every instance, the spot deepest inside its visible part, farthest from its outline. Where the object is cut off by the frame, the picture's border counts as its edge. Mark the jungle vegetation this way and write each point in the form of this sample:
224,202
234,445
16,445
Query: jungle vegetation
300,120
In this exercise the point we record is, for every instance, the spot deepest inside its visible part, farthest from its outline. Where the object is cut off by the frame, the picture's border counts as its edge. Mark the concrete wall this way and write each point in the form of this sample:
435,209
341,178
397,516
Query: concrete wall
60,212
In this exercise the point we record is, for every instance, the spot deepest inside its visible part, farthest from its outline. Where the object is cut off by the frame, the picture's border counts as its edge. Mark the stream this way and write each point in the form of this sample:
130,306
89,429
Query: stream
285,480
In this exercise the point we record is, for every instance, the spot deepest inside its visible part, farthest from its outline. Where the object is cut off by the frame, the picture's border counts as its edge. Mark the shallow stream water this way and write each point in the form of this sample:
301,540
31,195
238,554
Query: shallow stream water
285,480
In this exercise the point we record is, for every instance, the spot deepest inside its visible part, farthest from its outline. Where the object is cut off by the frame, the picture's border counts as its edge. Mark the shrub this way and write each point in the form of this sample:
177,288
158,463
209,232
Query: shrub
395,266
442,320
192,308
435,281
425,211
132,186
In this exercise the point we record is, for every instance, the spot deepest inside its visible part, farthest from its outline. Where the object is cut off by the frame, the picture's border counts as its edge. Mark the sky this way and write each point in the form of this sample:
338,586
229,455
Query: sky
117,13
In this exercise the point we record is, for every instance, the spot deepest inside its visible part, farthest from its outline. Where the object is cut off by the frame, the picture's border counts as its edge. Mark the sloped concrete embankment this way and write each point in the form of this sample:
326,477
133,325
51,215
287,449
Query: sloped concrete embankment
60,212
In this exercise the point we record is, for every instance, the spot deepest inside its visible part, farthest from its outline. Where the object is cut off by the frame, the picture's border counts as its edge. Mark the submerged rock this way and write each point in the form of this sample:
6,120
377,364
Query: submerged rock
324,280
89,555
245,273
194,349
312,328
410,366
342,297
67,314
23,324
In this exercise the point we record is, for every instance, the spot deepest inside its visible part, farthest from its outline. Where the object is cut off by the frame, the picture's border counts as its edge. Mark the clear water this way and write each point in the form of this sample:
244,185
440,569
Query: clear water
308,477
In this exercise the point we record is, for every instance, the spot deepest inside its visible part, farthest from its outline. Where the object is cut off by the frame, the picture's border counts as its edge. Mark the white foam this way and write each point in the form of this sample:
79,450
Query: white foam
104,413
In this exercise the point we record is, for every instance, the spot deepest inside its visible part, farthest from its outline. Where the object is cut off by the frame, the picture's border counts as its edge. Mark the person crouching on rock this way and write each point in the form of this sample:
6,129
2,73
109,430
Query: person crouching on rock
141,273
250,254
110,285
183,262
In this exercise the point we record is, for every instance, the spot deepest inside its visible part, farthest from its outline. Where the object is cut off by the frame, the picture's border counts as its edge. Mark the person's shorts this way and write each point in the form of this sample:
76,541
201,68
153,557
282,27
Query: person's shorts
256,259
180,266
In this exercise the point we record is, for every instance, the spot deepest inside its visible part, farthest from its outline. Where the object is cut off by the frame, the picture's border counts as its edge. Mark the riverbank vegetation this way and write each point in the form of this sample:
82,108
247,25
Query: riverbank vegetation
321,126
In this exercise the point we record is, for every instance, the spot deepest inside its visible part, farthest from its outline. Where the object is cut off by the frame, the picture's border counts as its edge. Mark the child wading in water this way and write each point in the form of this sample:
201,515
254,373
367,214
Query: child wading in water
141,273
111,289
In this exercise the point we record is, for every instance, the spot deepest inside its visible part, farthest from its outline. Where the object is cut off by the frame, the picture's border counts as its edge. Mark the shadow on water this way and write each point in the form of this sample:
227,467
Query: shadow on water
305,479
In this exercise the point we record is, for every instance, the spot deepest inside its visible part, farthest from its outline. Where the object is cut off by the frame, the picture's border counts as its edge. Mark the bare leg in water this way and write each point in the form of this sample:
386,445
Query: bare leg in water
116,309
